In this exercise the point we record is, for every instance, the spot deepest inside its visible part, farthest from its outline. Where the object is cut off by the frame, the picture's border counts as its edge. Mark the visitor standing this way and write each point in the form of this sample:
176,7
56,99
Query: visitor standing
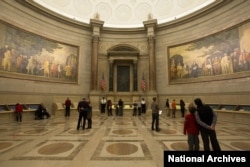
89,116
143,106
173,107
167,108
206,119
83,107
182,105
109,108
155,115
121,105
103,104
191,129
67,107
19,112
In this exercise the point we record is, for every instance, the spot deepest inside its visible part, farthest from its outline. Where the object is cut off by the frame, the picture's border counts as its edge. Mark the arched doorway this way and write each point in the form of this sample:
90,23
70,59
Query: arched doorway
123,74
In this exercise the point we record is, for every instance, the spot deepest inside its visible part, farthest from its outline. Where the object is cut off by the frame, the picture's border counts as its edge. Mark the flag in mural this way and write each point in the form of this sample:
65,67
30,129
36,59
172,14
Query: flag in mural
103,83
143,83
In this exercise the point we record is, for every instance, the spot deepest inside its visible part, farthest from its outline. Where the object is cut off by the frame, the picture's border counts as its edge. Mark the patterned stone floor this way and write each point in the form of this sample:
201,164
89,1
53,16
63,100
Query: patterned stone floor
113,141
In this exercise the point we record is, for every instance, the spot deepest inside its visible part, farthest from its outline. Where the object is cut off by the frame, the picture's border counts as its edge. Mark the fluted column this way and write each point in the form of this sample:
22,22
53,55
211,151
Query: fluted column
96,25
135,84
150,25
94,61
111,77
152,72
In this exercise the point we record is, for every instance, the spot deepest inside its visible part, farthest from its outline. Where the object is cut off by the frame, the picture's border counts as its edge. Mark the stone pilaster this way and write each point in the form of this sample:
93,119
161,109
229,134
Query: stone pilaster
150,26
95,94
96,26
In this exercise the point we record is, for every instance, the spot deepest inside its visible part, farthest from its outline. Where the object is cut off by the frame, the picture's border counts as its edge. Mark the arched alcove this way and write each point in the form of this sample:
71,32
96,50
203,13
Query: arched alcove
123,69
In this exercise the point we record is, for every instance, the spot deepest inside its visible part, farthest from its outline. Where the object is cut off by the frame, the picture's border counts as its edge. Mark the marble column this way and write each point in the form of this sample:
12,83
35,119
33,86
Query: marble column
152,72
94,95
150,25
111,77
94,63
135,76
96,26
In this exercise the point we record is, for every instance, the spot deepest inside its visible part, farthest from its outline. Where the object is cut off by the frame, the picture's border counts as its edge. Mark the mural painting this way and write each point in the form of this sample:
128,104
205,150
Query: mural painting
24,55
225,55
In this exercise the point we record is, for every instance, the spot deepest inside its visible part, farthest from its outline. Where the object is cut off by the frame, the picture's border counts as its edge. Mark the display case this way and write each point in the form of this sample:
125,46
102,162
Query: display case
7,111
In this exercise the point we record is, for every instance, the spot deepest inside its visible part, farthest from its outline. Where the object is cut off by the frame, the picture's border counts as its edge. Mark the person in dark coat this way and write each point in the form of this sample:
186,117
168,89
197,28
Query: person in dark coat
41,112
206,119
83,108
182,105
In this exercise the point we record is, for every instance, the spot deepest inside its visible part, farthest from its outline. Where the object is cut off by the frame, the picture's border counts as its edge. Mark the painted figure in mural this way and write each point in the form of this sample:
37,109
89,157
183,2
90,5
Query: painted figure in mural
172,71
226,64
209,67
59,70
30,66
186,71
179,69
6,62
72,62
53,69
46,68
216,66
2,51
194,69
235,58
243,61
68,71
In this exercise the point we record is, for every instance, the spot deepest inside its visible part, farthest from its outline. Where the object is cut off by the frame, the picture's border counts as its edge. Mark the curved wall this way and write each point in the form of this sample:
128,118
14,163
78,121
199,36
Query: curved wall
28,91
173,33
234,91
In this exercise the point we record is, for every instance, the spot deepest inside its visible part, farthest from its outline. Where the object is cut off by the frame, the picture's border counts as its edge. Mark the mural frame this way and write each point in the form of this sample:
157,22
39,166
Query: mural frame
25,55
202,54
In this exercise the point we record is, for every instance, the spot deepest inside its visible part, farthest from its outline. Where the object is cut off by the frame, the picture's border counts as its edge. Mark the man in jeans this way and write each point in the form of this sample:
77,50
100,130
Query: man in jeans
155,115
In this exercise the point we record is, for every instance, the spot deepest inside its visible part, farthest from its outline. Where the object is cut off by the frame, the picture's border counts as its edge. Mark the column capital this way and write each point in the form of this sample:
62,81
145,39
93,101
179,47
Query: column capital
96,26
150,25
111,61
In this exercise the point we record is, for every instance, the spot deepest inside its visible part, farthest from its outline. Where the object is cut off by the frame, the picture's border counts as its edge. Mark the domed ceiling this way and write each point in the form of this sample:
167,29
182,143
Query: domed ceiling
124,13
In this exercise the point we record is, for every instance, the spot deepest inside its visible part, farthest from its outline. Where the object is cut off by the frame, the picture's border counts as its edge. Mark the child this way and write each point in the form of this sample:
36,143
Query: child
191,129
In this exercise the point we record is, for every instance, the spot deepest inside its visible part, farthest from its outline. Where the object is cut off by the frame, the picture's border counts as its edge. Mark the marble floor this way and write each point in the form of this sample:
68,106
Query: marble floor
113,141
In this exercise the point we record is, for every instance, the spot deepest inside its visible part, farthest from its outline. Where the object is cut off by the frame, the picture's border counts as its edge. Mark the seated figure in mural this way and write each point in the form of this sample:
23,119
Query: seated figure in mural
194,69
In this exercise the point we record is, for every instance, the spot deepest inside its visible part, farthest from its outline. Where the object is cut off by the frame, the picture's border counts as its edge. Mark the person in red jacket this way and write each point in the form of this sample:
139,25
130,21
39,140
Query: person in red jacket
191,129
67,107
19,112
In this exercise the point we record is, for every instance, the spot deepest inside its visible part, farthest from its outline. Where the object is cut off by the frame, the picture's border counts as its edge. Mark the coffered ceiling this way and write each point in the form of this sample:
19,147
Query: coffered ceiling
124,13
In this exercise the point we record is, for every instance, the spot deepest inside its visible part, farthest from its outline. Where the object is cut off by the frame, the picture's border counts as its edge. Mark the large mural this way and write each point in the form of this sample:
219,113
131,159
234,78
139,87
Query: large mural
24,55
225,55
